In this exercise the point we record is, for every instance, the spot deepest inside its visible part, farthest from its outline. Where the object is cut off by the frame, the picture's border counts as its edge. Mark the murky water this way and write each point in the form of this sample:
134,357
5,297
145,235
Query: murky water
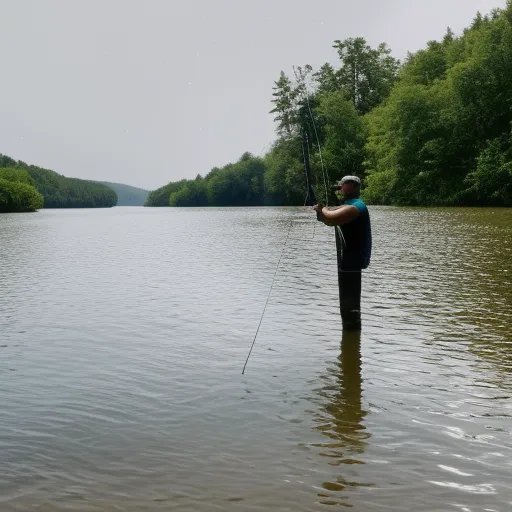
123,334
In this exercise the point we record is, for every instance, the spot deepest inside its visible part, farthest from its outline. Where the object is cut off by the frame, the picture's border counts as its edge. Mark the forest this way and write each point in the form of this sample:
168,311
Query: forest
432,130
28,187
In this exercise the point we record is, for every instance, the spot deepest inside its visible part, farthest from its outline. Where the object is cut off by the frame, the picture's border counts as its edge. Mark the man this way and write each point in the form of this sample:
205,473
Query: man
353,244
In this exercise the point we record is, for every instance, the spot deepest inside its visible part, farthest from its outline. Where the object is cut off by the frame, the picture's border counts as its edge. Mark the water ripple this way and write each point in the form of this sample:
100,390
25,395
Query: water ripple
124,332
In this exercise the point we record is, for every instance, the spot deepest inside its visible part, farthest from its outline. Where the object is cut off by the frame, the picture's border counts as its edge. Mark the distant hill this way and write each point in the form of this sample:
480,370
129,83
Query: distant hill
126,194
59,191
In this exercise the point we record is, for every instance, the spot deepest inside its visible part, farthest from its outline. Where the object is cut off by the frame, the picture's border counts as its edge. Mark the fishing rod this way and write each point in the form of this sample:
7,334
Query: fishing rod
310,198
305,140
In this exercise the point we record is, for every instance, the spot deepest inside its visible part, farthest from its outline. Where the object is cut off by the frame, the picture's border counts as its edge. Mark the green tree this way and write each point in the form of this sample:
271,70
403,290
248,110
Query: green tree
343,149
366,75
326,79
426,66
160,196
191,193
16,196
17,175
409,141
491,182
284,180
17,191
238,184
285,101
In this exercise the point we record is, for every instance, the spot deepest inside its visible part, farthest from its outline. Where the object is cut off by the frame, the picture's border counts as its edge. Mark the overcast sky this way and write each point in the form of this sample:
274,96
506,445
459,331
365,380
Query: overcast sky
145,92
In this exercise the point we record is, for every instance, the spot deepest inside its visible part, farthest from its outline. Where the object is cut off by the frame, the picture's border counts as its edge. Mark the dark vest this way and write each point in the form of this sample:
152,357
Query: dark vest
358,241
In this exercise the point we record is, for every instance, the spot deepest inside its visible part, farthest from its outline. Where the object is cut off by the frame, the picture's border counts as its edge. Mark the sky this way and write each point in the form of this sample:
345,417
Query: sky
144,92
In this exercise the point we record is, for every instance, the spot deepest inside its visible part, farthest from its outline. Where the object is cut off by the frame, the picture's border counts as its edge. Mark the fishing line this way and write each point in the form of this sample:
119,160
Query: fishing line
309,185
268,297
318,144
306,96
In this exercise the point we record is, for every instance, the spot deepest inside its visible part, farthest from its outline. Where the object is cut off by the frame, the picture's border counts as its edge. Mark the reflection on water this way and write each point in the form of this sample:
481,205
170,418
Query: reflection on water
341,419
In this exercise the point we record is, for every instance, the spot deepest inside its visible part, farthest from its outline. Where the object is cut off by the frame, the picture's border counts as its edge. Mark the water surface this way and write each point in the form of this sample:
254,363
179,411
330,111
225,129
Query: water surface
123,334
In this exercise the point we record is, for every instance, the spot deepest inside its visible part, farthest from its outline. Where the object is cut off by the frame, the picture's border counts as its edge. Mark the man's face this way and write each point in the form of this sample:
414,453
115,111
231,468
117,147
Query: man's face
348,189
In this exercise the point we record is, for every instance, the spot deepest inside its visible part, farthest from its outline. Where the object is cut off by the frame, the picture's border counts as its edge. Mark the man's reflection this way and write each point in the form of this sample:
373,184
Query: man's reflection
342,415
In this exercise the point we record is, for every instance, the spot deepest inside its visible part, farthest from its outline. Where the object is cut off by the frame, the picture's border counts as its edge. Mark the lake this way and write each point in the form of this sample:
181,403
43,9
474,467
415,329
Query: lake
123,334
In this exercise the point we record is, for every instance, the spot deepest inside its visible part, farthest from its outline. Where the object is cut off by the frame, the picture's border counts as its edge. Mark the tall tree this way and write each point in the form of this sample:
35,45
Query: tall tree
326,79
344,135
285,97
366,75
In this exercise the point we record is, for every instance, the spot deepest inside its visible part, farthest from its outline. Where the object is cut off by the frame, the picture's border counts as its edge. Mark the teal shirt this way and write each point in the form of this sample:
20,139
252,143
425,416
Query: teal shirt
357,203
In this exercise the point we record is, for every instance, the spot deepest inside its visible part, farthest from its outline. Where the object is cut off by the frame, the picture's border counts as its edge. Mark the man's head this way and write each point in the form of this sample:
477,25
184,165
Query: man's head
350,186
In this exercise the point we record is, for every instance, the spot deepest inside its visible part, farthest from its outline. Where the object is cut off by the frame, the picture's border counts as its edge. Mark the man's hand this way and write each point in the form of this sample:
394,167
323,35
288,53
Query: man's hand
318,209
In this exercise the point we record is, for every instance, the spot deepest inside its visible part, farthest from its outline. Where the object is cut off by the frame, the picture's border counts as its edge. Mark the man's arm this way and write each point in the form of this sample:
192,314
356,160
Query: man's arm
336,217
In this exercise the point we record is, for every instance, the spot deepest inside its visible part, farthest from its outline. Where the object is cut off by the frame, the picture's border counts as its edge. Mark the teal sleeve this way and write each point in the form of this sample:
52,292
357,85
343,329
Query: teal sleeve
357,203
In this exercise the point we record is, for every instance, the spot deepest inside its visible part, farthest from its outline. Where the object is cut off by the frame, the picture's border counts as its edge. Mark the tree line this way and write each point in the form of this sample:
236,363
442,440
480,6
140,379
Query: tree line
28,187
432,130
